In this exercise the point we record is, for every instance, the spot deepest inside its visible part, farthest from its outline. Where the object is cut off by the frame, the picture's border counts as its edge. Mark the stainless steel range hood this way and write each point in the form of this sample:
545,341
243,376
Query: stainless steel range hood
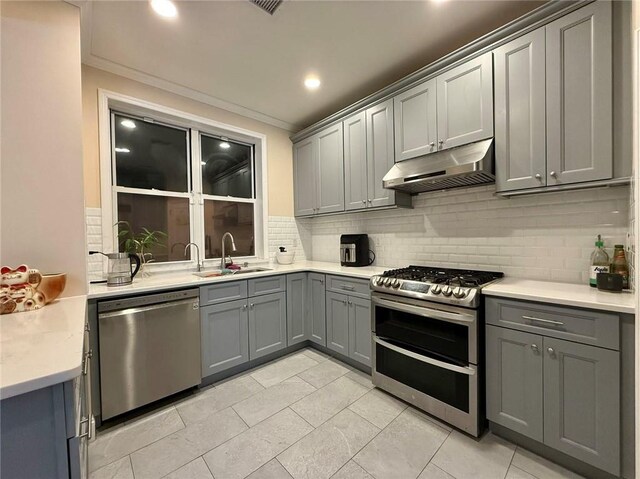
462,166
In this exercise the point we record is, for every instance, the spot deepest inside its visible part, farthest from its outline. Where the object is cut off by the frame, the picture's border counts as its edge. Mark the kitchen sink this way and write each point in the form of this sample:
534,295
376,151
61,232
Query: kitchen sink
216,272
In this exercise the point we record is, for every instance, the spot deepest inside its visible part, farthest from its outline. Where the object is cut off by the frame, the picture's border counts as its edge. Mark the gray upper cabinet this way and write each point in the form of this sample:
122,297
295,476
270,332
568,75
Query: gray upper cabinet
304,185
316,317
355,162
465,103
224,336
338,322
267,324
579,96
520,135
380,155
415,121
360,330
582,402
297,298
330,170
514,380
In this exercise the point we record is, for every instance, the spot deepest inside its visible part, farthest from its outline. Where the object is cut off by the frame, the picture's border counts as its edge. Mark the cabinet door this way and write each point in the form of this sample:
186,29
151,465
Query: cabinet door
304,171
316,317
338,323
267,324
520,137
415,121
360,330
297,329
579,96
225,336
355,162
330,170
465,103
582,402
380,157
514,380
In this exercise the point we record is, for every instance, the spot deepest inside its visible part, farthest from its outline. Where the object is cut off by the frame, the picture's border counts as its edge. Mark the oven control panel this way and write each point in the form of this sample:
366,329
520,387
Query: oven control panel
442,293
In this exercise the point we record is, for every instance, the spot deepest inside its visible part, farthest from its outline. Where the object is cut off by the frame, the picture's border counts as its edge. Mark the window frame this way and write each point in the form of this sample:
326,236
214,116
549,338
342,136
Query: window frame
195,126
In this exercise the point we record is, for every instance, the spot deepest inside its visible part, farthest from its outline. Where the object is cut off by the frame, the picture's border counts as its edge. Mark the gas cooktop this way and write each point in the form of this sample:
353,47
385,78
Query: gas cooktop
443,285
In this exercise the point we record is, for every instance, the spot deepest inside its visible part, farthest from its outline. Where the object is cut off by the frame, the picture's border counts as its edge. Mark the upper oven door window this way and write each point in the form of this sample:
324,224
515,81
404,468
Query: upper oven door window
435,331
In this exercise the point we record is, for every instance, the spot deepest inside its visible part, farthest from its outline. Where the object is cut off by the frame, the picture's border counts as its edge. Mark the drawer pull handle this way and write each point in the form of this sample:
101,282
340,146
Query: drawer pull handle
547,321
347,287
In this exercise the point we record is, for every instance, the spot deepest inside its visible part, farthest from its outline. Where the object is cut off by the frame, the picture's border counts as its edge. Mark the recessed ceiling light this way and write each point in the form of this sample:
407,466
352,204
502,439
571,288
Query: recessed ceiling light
122,150
312,83
224,145
128,123
164,8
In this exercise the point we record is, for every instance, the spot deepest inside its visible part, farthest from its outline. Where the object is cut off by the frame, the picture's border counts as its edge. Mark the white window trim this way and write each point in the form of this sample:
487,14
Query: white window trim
108,100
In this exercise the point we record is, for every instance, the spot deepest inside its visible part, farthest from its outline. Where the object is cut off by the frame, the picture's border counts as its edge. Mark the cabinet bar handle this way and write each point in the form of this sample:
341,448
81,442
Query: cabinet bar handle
347,287
548,321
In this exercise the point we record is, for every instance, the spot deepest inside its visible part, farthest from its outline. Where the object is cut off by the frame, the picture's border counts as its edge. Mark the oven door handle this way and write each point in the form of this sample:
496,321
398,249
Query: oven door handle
458,318
469,371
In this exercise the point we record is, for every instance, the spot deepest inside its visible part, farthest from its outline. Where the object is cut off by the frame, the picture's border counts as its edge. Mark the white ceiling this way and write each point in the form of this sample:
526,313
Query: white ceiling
234,55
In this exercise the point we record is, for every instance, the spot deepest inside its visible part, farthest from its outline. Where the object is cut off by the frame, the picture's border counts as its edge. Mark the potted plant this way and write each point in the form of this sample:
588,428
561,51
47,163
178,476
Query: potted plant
140,243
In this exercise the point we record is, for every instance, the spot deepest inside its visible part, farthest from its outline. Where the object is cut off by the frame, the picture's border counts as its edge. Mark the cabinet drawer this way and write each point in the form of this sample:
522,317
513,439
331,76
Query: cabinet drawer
271,284
580,325
219,293
351,286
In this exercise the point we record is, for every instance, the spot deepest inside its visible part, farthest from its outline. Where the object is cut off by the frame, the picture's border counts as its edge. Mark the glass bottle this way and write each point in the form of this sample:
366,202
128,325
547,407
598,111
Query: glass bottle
600,262
619,265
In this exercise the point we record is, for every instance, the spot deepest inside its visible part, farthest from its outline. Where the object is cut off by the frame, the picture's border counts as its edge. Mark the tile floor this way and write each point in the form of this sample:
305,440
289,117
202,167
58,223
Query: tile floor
303,416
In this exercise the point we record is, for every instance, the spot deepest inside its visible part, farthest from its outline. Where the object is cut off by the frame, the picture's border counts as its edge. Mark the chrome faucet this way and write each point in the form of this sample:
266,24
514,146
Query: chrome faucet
198,263
223,262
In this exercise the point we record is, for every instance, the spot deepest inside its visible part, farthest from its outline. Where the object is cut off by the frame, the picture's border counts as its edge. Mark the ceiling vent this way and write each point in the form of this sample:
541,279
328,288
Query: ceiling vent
269,6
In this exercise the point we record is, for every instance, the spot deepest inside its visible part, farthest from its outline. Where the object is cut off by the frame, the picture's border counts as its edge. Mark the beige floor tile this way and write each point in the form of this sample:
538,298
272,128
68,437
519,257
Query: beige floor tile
269,401
315,355
121,469
403,448
325,403
248,451
182,447
323,373
122,441
432,471
271,470
378,407
540,467
216,399
283,369
196,469
351,470
324,451
360,377
465,457
517,473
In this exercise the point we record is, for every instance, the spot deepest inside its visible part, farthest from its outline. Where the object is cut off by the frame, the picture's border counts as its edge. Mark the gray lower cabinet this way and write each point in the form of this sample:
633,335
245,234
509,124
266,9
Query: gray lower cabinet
225,336
297,327
349,326
514,380
267,324
338,322
316,308
563,393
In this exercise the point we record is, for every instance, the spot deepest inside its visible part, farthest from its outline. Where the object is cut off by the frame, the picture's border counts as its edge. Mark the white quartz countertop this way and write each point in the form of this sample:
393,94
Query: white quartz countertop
184,279
41,348
578,295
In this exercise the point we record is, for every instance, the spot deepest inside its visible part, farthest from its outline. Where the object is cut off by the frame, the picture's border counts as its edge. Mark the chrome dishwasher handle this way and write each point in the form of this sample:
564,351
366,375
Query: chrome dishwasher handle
469,371
540,320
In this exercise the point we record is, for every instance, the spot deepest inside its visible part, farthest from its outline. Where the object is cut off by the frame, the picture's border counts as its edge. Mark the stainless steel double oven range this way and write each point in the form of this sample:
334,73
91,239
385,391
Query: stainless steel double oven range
428,337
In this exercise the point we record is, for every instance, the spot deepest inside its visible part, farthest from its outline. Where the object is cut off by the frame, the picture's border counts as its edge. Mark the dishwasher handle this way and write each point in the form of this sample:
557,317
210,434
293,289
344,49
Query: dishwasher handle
153,307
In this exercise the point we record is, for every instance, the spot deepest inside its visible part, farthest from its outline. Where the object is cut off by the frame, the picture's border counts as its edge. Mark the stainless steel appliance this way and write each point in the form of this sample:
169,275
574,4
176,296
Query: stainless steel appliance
119,267
427,326
354,250
467,165
149,349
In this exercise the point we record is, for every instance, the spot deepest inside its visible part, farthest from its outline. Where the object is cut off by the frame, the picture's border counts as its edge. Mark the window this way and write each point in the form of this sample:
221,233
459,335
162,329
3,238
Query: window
191,181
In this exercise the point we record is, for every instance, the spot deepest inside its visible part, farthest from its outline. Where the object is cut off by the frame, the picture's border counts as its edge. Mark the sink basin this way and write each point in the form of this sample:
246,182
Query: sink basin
214,273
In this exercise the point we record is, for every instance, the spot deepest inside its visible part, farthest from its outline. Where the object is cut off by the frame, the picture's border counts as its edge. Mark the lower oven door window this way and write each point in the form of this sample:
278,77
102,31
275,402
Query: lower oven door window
398,362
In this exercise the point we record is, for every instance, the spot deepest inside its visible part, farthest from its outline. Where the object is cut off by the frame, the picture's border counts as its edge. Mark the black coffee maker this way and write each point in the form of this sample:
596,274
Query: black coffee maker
354,250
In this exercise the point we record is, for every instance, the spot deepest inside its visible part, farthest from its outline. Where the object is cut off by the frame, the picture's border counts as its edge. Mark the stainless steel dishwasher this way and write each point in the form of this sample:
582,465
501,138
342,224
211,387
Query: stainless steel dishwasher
149,349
